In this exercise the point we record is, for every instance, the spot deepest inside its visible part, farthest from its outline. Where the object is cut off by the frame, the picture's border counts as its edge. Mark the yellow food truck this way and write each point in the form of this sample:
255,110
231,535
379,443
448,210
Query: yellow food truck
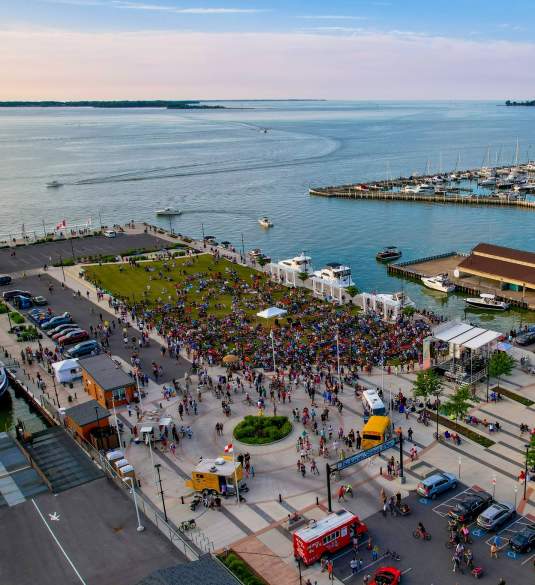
216,476
377,430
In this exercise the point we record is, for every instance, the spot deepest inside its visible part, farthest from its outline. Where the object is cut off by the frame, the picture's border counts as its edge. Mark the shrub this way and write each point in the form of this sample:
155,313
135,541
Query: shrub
241,569
64,262
16,318
261,430
3,309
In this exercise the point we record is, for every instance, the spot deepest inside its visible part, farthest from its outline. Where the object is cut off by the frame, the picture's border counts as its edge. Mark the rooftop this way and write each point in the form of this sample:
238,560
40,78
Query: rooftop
330,522
497,269
86,413
205,571
105,371
509,254
226,468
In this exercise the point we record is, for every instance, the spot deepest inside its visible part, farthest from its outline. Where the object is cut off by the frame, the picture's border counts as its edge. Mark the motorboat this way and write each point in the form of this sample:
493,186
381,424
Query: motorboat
421,189
265,222
301,263
439,282
335,273
256,255
54,184
388,254
168,211
4,380
487,302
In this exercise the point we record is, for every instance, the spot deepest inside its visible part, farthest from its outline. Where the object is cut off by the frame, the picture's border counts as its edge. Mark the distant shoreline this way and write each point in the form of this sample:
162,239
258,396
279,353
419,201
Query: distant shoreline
167,104
528,103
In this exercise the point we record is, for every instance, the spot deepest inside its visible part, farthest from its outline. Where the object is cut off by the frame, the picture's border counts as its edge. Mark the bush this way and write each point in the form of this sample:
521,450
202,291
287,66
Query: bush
16,318
65,262
3,309
241,569
261,430
513,396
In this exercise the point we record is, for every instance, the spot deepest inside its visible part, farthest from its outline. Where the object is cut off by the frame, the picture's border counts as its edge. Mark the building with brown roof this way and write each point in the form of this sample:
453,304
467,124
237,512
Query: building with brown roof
512,269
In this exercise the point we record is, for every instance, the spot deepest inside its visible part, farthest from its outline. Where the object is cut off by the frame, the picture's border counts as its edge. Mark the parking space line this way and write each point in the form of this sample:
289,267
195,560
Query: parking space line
406,571
58,543
378,560
528,559
454,499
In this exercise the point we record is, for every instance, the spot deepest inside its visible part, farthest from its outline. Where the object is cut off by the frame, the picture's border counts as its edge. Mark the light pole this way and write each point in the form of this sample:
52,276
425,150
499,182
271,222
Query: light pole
516,493
338,353
56,390
299,567
273,350
493,486
140,526
460,468
157,466
116,421
527,446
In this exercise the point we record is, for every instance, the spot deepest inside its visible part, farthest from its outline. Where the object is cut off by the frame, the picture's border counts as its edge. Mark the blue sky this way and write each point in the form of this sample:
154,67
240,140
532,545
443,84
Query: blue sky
340,49
513,20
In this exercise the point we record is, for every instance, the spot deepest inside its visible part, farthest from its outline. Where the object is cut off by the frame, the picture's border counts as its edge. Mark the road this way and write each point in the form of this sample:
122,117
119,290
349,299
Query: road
429,563
37,255
62,299
84,536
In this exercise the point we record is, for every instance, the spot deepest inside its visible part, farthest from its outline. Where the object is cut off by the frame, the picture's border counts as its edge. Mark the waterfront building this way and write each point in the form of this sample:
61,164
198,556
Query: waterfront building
106,381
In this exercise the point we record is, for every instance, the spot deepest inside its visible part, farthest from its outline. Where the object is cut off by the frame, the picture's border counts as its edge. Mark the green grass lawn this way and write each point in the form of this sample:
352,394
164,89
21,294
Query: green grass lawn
128,282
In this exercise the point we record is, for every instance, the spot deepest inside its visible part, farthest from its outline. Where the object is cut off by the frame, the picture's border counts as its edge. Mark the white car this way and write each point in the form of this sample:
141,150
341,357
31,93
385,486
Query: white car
110,234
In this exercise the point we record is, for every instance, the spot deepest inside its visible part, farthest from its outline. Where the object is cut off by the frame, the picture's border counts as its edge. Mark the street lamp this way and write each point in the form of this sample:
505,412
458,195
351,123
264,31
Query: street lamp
298,560
460,468
140,527
338,353
157,466
516,492
98,427
493,485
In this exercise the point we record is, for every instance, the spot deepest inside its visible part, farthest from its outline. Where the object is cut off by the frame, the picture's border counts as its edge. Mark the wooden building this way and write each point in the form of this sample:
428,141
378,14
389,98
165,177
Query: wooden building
103,379
511,269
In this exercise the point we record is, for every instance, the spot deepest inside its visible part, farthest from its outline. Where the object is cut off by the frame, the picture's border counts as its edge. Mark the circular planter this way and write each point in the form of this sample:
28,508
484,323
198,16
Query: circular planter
264,430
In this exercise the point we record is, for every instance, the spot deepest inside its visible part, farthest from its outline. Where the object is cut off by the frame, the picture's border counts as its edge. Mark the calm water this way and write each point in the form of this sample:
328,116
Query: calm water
224,172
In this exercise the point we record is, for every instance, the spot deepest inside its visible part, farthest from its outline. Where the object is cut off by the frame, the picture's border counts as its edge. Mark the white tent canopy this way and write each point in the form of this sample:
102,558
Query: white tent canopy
465,335
67,370
271,313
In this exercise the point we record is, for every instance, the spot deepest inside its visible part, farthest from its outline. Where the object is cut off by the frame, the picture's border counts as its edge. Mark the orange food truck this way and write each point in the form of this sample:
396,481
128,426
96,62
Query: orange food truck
327,535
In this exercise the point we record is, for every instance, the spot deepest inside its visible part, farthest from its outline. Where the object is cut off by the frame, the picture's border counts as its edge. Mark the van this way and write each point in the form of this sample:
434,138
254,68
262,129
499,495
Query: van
376,431
110,233
372,404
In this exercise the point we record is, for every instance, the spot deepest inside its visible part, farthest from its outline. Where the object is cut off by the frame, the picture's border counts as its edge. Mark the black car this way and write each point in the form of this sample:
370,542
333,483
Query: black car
5,279
525,338
523,541
470,507
10,294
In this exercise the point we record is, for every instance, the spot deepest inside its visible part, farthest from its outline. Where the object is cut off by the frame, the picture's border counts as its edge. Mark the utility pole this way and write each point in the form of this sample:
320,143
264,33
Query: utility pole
401,478
157,466
56,391
527,445
202,228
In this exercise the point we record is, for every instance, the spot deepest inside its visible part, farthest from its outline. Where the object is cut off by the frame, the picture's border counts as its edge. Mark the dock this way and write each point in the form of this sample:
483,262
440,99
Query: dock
471,285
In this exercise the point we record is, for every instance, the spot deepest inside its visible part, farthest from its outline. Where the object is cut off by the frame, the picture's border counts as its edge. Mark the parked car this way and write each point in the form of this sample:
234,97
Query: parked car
84,348
40,301
525,338
73,337
22,302
5,279
64,332
9,294
435,484
523,541
386,576
110,233
494,516
55,321
62,327
470,507
39,316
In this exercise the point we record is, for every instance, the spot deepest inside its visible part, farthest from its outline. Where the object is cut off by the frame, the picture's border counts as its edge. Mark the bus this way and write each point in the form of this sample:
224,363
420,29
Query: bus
372,404
377,430
326,536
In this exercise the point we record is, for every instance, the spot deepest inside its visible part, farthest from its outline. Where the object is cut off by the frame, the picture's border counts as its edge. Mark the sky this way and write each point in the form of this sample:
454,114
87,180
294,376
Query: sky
237,49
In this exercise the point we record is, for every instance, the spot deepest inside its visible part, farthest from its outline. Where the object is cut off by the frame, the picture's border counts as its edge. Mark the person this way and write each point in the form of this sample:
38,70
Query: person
493,551
410,432
354,565
341,493
421,530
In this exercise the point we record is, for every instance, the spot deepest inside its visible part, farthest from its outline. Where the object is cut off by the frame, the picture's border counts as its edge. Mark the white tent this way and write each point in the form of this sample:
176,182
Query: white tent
67,370
271,312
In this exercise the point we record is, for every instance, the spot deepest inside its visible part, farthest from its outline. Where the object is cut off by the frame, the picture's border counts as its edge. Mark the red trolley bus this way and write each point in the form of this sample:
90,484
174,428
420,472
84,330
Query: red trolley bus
327,536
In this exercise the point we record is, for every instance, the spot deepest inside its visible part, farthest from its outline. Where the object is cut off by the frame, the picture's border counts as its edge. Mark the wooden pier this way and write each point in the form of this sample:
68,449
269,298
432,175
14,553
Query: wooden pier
471,285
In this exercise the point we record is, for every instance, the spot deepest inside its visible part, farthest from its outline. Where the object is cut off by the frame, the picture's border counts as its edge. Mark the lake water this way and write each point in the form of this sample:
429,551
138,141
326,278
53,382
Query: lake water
223,171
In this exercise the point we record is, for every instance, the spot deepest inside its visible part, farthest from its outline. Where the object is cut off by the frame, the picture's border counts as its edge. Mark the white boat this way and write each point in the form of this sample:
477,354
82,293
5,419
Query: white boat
265,222
400,299
53,184
422,188
299,263
335,273
439,282
488,302
168,211
4,380
257,255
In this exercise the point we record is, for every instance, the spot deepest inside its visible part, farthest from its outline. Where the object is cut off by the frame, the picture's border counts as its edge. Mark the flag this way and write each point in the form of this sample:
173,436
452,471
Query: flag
62,224
229,448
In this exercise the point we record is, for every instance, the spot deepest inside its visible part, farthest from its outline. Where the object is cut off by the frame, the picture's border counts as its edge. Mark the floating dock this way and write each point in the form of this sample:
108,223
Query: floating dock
471,285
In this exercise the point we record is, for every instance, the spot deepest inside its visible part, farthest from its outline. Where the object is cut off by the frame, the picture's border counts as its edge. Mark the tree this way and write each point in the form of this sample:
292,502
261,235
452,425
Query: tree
409,311
500,364
428,383
531,452
302,276
458,404
352,290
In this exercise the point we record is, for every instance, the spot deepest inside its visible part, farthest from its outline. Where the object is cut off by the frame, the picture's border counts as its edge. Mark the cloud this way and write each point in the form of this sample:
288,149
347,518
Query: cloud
129,5
58,64
332,17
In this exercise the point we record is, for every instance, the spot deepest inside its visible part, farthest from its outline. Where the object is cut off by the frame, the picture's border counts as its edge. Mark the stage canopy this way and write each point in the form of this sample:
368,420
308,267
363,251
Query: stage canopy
465,335
271,313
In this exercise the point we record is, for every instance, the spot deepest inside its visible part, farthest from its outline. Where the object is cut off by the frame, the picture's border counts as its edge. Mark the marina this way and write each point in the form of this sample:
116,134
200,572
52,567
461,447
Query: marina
509,186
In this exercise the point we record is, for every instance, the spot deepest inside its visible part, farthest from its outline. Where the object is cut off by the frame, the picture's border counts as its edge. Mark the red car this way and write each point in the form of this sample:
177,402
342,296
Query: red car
73,337
386,576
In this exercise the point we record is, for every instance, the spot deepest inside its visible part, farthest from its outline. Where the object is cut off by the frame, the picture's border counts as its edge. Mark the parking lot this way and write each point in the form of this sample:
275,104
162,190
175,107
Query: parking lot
37,255
420,559
62,300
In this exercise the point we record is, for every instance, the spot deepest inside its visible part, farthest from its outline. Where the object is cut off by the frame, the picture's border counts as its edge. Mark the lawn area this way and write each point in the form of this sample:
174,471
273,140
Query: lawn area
262,430
159,282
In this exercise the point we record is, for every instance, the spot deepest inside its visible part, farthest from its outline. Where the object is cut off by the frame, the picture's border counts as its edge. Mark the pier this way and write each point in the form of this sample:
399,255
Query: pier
470,285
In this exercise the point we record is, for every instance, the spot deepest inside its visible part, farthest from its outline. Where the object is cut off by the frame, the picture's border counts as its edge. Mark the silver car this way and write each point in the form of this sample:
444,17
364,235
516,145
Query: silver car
494,516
